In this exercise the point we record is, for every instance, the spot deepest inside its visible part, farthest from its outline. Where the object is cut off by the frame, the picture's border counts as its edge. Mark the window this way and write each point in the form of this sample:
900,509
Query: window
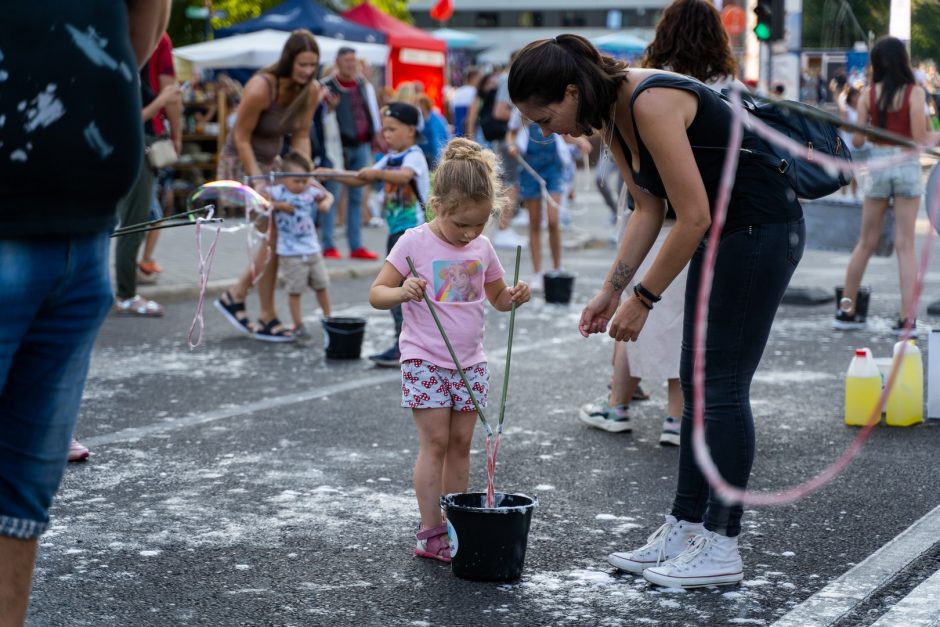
573,18
487,20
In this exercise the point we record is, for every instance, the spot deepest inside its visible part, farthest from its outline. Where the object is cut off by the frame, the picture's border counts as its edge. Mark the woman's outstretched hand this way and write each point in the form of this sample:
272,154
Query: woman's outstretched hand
598,313
628,321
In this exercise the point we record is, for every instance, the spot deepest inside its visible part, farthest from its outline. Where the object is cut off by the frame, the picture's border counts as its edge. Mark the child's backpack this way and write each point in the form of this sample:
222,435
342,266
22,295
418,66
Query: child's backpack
816,130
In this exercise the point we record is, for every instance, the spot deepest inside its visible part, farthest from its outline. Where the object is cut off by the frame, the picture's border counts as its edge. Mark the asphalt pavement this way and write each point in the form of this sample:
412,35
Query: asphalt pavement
245,483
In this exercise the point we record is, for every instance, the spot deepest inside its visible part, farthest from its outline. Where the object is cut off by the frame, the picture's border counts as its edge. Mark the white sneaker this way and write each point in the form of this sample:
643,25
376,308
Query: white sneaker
376,222
521,219
507,238
665,543
536,284
711,559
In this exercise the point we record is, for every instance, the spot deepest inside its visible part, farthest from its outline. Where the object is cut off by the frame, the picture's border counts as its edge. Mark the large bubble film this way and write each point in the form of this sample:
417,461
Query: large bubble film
229,197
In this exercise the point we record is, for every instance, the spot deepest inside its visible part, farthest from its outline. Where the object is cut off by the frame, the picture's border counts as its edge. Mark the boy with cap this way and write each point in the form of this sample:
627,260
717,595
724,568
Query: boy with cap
404,170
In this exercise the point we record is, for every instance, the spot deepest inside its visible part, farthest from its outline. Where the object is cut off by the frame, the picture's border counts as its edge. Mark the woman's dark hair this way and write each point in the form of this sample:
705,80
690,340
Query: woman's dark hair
890,66
543,70
300,40
690,40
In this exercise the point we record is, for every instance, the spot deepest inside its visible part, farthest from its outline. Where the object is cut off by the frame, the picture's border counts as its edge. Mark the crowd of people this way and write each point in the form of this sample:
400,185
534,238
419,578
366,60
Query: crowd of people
505,138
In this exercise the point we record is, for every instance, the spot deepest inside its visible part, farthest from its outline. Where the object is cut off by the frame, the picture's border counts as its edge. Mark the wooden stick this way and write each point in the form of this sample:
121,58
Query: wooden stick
512,326
453,355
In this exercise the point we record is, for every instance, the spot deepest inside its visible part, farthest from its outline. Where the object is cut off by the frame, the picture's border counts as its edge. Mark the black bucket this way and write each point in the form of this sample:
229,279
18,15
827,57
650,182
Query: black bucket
488,544
342,337
558,287
861,306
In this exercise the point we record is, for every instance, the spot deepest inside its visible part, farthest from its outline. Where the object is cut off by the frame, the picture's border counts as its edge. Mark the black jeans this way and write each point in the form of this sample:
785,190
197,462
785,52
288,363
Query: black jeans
752,270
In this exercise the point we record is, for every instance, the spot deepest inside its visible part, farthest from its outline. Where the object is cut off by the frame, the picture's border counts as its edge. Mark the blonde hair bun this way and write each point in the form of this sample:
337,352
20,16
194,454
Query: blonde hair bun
467,171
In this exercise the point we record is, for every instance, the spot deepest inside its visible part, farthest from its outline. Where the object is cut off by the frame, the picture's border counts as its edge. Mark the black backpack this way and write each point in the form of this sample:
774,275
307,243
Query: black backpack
816,130
493,129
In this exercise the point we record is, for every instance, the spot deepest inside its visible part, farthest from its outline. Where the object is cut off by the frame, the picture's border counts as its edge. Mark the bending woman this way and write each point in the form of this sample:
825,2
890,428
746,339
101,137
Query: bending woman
278,100
650,119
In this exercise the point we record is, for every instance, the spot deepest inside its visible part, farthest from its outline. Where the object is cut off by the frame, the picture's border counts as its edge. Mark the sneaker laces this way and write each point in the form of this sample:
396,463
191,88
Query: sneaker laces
696,545
659,536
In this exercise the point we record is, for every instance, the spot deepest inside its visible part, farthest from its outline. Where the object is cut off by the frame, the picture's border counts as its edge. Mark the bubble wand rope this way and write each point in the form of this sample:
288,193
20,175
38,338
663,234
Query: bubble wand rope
726,492
491,456
205,265
143,227
450,349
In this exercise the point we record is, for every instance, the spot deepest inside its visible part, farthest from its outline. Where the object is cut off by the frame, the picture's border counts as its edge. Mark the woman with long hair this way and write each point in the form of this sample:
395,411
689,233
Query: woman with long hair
892,101
650,121
278,100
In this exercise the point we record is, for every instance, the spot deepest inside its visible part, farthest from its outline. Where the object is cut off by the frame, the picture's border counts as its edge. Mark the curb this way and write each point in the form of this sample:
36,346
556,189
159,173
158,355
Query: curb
184,291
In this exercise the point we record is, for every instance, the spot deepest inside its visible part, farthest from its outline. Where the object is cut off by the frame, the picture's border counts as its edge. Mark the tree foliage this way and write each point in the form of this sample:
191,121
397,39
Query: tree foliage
832,24
184,30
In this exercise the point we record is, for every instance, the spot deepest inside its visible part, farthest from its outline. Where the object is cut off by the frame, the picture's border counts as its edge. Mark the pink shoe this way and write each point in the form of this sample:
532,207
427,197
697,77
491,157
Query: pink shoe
77,451
433,544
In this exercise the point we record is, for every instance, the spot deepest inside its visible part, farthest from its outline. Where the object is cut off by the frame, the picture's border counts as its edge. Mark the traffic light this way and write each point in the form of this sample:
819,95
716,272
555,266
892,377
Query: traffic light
770,16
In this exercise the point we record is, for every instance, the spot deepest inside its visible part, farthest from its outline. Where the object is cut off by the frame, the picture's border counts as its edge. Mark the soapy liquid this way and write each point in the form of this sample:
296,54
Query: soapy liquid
861,397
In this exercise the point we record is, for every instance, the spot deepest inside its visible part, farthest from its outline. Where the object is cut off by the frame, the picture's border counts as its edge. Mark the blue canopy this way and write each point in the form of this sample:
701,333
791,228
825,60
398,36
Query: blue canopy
309,14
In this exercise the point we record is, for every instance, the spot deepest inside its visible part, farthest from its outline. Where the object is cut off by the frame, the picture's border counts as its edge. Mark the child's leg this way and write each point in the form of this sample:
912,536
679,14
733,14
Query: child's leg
323,298
554,232
674,398
433,437
456,475
534,207
293,302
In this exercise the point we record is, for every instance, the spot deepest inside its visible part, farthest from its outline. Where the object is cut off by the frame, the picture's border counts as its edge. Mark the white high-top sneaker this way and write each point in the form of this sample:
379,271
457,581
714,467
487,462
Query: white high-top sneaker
711,559
665,543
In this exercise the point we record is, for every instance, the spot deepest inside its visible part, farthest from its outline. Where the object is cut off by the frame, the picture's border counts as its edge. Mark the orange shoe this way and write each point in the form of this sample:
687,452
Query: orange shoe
363,253
332,253
149,267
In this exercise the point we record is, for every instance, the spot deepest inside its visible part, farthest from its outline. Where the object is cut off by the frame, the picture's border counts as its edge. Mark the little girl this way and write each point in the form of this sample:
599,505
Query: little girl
466,190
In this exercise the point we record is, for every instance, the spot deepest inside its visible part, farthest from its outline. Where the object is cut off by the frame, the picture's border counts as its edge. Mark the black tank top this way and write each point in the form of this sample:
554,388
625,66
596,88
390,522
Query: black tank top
761,194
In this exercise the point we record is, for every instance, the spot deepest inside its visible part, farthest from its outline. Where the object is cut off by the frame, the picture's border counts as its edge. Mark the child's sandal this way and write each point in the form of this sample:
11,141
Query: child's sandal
433,544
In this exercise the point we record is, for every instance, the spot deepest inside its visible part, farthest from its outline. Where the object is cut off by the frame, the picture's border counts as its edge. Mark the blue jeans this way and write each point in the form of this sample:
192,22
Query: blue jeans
753,269
356,158
55,295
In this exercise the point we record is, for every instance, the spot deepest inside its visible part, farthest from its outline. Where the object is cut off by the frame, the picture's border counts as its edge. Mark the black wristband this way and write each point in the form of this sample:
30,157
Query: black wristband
643,302
645,293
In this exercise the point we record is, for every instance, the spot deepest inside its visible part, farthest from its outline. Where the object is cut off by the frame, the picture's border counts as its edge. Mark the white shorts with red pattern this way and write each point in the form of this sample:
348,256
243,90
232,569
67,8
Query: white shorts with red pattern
427,386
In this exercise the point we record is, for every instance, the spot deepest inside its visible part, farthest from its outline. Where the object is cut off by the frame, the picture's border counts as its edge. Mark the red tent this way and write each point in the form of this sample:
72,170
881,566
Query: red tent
413,54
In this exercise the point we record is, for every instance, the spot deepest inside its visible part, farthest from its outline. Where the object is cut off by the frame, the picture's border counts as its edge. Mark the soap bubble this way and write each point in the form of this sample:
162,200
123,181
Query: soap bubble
229,197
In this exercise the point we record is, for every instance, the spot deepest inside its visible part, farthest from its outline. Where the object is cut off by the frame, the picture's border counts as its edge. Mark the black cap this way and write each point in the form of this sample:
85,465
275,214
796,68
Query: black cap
404,113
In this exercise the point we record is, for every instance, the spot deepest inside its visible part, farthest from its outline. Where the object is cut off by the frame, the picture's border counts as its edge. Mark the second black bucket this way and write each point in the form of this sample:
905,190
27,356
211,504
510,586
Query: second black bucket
342,337
488,544
558,287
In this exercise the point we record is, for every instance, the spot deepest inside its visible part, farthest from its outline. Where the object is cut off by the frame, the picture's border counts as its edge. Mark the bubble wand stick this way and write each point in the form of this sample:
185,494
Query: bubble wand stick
491,455
450,349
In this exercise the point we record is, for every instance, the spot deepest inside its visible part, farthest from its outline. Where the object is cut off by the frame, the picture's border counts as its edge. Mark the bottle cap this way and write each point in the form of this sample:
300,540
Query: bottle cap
860,352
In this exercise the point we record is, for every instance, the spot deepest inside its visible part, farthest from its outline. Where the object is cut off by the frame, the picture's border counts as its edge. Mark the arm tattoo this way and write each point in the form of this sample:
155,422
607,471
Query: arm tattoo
621,276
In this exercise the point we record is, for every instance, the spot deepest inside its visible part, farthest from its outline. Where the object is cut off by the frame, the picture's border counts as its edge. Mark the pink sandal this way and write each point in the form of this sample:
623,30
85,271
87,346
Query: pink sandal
433,544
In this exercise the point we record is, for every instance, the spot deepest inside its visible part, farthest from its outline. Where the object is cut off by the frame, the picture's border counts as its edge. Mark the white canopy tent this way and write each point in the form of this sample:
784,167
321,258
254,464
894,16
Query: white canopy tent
263,47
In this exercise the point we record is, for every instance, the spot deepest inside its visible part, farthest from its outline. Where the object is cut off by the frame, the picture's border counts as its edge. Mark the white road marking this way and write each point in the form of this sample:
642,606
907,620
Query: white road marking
918,609
842,595
174,424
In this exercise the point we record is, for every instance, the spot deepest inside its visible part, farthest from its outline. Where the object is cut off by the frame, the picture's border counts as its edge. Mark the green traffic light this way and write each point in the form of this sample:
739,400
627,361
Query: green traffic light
762,31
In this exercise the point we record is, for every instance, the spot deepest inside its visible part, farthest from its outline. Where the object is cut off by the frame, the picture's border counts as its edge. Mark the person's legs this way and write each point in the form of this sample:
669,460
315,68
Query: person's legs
873,213
357,157
134,208
905,220
268,281
56,294
296,316
752,270
328,220
147,263
622,385
674,398
456,474
554,231
323,299
433,438
534,207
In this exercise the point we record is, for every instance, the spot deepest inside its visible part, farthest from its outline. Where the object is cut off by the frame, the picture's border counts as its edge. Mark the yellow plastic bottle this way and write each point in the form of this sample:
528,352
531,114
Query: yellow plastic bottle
862,389
905,406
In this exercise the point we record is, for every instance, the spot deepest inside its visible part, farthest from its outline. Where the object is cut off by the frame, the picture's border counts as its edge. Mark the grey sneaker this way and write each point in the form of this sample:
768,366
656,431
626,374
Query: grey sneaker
670,433
601,416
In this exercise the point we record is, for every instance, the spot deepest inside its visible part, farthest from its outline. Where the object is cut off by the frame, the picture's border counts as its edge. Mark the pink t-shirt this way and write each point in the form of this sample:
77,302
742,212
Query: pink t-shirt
455,277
